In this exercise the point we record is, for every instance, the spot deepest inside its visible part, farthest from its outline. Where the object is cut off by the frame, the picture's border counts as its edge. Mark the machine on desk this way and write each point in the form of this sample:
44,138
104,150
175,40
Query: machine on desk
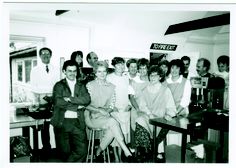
206,93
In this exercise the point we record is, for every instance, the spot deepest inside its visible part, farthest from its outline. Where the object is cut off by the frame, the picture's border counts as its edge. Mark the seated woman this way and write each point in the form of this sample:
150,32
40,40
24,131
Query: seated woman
180,87
156,102
97,114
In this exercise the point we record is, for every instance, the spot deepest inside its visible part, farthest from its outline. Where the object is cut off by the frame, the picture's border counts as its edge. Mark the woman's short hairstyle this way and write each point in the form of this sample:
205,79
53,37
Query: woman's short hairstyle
224,59
164,62
117,60
178,63
69,63
156,69
130,61
143,62
100,64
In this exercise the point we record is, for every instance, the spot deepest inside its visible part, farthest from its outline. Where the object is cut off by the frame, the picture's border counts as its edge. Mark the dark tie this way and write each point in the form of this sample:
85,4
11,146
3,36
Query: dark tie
47,70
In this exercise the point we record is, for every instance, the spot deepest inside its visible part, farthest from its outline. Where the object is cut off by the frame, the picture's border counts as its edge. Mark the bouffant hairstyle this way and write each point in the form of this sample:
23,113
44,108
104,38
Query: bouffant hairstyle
100,64
117,60
143,62
156,69
178,63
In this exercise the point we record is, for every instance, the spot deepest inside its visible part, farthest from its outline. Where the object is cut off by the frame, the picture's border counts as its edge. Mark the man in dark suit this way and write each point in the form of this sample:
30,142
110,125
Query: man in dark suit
70,97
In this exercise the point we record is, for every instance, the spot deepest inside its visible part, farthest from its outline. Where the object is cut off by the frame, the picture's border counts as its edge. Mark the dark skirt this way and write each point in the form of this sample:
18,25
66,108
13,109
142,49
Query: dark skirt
142,137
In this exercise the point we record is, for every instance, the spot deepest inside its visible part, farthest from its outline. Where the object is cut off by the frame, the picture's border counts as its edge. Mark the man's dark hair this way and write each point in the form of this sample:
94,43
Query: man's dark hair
69,63
185,58
45,48
89,56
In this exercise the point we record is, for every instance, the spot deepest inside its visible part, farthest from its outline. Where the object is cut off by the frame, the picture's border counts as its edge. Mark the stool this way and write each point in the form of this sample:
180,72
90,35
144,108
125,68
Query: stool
90,154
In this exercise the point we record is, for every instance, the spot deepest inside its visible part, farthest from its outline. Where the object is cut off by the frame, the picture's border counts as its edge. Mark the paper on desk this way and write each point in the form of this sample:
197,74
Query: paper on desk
199,150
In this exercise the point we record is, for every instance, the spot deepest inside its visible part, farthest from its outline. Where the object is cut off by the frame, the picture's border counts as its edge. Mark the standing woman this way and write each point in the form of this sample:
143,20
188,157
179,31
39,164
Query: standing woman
98,113
138,84
122,112
77,56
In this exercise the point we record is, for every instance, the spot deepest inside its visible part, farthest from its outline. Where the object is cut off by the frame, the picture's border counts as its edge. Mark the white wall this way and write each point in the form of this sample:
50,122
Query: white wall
115,39
62,39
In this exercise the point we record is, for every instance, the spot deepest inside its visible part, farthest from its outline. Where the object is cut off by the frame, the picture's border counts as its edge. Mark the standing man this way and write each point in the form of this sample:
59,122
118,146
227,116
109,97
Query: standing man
186,61
202,67
70,98
42,80
92,59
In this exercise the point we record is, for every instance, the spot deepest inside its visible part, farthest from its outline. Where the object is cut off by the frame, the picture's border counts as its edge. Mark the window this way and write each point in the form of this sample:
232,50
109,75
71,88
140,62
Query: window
19,71
23,57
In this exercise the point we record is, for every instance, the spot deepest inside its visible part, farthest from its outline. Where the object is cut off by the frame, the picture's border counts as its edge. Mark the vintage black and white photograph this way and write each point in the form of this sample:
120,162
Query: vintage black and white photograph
118,82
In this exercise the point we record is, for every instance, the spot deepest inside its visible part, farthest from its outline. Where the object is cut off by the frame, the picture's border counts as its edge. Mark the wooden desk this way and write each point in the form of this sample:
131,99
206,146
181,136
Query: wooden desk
176,124
25,122
208,118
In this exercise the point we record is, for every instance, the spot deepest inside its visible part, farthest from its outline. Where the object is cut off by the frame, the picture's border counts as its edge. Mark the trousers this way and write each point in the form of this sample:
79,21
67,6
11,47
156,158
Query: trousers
71,141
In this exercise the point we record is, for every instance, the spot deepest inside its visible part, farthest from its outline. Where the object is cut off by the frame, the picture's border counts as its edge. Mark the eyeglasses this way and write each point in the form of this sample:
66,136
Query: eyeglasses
154,75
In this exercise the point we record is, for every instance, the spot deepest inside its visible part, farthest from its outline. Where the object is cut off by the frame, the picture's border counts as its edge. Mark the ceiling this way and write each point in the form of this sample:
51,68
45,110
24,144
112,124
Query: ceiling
151,21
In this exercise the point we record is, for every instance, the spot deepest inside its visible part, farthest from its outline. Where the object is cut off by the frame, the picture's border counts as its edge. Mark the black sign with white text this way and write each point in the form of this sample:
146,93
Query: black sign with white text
159,46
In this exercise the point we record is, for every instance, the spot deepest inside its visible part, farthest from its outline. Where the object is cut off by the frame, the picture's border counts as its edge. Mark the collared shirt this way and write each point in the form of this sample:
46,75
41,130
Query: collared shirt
42,82
187,90
71,86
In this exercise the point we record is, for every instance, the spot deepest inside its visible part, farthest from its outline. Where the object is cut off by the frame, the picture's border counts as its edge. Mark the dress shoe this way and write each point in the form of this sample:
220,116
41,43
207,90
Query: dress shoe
128,159
160,158
99,158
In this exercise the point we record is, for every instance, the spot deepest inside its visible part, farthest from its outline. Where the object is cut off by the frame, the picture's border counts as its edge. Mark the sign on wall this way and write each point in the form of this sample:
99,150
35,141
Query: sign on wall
159,46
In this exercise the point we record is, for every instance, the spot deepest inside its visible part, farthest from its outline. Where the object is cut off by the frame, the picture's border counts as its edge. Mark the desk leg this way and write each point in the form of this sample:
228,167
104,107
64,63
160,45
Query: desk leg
220,151
35,143
183,148
26,133
154,144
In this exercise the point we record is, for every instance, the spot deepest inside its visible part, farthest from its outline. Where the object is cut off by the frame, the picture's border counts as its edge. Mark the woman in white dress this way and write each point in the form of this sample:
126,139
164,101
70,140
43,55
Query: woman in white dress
122,111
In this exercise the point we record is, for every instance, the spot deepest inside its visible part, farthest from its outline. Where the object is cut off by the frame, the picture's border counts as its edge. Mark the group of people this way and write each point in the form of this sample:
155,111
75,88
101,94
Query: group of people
118,102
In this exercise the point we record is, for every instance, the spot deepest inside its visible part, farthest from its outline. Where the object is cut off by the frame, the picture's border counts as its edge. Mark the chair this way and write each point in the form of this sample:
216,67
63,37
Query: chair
90,155
91,136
